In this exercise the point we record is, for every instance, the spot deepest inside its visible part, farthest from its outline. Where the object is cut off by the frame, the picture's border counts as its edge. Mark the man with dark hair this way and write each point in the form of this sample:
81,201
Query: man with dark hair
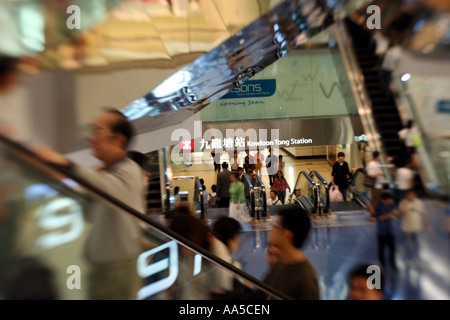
272,166
384,213
223,186
121,125
293,274
114,242
340,176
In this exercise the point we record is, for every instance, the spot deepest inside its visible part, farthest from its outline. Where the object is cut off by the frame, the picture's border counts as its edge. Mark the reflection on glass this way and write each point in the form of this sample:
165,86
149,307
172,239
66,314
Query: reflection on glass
304,192
50,246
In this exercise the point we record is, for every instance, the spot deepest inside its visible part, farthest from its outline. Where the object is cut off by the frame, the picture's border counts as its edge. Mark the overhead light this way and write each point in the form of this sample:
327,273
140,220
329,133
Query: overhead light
406,77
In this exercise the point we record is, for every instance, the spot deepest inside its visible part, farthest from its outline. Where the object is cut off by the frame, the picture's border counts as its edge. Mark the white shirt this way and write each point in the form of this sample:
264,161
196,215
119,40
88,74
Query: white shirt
210,195
411,220
404,178
271,202
382,43
372,169
223,278
391,58
407,135
114,235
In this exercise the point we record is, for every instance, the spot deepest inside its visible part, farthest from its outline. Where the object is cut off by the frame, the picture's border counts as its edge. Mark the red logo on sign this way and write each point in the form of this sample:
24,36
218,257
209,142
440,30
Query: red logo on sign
187,145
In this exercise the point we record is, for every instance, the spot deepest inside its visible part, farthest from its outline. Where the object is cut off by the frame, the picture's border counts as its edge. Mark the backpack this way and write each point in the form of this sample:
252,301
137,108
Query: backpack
212,202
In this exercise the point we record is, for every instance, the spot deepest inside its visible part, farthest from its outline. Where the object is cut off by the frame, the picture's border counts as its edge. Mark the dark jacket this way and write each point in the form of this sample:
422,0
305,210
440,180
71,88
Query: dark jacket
341,175
223,184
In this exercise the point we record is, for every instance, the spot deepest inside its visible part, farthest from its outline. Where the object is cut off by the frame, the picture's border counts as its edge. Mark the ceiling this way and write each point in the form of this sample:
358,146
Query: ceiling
120,31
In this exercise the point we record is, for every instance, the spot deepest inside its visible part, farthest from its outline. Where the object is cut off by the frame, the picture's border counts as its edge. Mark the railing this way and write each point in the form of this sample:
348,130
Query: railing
249,194
54,222
308,196
360,192
323,192
259,198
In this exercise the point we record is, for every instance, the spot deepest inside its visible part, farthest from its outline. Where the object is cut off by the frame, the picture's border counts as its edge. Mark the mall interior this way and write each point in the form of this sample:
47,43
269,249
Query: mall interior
209,87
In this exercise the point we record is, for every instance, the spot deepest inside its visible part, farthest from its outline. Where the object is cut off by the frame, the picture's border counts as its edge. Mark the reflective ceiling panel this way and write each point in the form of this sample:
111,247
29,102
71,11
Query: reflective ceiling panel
248,51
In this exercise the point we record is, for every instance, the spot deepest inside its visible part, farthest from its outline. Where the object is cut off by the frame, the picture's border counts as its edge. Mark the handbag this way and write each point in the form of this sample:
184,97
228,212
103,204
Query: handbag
336,195
369,182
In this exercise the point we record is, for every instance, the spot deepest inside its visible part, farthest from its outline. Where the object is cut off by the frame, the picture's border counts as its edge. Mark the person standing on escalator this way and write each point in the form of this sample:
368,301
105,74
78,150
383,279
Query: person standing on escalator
280,185
113,244
341,176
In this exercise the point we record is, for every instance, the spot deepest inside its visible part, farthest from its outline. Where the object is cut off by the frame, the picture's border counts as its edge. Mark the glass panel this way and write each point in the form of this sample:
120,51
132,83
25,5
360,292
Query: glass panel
360,192
305,191
323,189
184,190
64,242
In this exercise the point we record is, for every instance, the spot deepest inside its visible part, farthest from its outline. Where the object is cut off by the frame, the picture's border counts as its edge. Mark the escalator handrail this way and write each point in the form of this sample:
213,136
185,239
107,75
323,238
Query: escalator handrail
324,182
33,160
263,187
251,193
356,173
247,179
259,180
312,182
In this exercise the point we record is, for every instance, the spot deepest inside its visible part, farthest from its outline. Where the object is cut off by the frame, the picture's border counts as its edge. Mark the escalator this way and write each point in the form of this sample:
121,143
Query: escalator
306,193
311,191
52,247
323,193
257,196
384,109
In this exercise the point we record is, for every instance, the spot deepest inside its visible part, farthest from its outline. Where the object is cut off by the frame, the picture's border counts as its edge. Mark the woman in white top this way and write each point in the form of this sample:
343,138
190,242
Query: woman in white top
404,180
413,215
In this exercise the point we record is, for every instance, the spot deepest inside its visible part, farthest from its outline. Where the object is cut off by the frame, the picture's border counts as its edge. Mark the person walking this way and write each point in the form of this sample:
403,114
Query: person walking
237,197
280,185
292,273
384,213
113,244
341,176
223,186
404,180
412,211
272,166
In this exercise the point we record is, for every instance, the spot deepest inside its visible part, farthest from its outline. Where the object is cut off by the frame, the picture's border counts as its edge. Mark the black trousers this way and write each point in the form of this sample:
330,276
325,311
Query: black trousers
271,179
389,243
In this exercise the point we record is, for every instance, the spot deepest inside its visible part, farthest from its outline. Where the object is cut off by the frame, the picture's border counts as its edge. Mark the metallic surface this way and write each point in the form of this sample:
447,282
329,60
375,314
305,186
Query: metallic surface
249,51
